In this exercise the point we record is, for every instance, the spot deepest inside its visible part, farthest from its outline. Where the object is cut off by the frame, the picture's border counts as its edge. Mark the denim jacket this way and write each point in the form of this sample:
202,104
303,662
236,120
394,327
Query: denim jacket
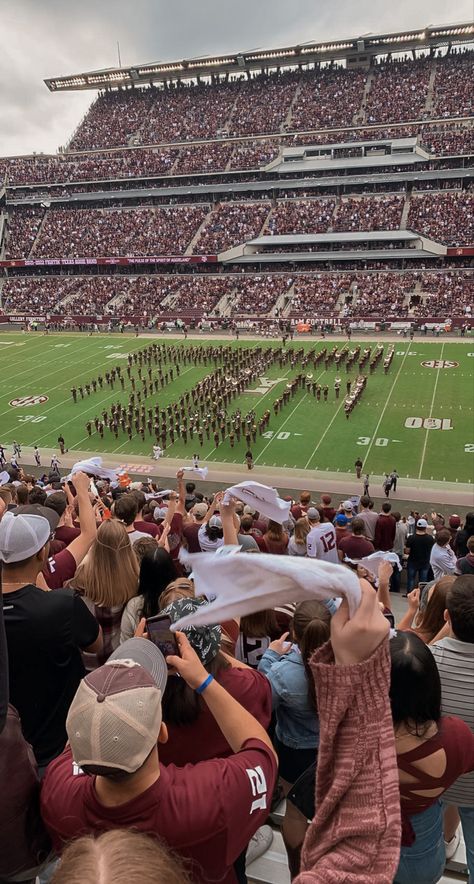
297,724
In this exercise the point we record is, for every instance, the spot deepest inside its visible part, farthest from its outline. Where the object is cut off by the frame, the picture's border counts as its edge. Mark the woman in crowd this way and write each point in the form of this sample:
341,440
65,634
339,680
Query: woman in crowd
463,535
193,734
430,621
107,578
157,571
275,540
297,543
118,857
286,666
432,752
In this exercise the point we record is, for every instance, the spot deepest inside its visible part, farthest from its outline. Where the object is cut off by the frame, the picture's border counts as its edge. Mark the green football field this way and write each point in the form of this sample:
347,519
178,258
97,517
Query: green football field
418,419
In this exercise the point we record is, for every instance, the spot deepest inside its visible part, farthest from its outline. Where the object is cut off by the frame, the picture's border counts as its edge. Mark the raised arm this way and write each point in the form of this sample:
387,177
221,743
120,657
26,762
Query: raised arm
80,546
181,506
229,518
355,834
236,724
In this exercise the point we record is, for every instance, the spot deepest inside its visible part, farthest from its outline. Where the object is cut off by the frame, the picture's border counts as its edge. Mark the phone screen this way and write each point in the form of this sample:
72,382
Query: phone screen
160,634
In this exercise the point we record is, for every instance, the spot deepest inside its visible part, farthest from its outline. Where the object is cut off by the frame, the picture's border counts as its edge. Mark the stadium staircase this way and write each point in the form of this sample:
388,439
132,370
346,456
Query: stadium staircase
223,307
430,94
197,235
405,211
226,126
283,302
286,125
38,234
360,116
290,294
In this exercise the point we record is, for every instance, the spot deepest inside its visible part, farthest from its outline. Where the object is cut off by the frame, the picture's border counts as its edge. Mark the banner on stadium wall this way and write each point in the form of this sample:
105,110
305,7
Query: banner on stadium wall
101,262
460,251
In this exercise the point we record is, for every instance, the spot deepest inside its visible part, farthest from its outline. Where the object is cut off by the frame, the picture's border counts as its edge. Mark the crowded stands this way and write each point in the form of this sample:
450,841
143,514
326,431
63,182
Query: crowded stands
446,217
278,102
231,224
365,213
112,727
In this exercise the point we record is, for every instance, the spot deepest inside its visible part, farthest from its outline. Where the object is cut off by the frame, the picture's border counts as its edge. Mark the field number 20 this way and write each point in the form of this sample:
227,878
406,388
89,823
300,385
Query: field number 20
381,442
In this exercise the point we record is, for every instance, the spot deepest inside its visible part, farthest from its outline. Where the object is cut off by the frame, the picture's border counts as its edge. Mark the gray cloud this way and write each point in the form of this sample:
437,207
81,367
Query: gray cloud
44,38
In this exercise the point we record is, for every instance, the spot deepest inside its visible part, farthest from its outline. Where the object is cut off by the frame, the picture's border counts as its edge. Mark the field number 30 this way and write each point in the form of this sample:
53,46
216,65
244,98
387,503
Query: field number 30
381,442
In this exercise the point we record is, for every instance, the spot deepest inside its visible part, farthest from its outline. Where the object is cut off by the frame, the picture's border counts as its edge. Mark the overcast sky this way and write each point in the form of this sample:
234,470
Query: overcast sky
45,38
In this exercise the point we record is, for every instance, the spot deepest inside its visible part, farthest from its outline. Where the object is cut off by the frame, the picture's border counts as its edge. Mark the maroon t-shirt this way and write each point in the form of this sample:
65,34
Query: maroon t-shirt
355,547
147,528
59,569
190,532
206,812
275,547
328,511
66,534
385,532
204,739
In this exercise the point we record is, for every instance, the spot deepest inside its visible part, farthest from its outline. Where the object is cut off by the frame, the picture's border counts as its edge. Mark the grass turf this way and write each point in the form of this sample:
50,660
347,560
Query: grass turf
305,434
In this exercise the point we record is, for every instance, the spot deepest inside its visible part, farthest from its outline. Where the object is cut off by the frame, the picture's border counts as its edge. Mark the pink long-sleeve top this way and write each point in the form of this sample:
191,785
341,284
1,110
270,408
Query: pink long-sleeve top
356,832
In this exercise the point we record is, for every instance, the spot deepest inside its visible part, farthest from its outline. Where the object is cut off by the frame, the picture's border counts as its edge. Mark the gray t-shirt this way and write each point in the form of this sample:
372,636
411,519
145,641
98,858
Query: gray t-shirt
455,662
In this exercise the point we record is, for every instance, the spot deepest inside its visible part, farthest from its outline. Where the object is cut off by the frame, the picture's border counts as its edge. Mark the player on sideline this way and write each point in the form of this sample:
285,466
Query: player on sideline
37,455
55,462
157,452
366,485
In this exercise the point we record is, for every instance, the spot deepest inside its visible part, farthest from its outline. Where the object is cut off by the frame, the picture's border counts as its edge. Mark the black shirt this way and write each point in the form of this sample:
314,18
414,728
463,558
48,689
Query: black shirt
420,549
45,632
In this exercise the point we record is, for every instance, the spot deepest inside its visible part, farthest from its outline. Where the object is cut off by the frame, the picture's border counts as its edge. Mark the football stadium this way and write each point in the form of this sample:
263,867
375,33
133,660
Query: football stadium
236,316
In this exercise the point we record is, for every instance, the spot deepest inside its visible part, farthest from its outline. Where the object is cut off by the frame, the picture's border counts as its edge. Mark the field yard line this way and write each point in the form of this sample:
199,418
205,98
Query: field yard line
28,370
286,421
431,412
12,363
281,426
324,434
374,435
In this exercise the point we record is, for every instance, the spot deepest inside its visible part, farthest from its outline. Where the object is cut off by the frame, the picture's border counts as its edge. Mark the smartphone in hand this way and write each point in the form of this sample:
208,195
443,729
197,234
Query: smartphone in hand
159,632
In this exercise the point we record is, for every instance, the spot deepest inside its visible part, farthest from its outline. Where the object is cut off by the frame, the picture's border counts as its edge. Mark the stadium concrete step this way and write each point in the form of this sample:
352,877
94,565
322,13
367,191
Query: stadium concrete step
272,866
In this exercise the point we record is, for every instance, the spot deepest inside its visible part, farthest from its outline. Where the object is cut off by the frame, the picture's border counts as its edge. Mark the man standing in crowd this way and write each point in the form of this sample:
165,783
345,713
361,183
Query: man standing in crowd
418,547
454,657
46,632
121,783
321,540
385,528
355,545
442,557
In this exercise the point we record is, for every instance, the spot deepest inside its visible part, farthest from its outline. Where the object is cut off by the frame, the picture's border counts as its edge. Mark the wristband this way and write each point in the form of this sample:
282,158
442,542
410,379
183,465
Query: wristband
202,687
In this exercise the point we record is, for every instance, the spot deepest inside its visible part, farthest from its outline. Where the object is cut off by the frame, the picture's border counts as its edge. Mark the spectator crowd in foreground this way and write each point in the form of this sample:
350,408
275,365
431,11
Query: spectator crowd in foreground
113,757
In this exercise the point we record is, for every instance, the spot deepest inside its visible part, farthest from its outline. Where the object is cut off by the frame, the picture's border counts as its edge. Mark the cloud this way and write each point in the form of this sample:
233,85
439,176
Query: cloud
44,38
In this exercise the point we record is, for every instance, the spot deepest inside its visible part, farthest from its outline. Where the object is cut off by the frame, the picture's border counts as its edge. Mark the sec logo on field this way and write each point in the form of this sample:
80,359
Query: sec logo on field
24,401
439,363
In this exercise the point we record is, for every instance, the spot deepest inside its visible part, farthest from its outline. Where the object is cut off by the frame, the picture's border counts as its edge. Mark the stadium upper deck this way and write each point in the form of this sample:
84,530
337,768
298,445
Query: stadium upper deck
245,168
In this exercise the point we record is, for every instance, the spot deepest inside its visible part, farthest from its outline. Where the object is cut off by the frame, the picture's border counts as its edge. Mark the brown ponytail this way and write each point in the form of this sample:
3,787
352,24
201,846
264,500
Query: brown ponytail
311,629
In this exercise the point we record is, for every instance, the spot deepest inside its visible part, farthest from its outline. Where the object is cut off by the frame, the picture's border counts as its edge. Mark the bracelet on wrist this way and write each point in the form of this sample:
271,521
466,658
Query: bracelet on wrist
202,687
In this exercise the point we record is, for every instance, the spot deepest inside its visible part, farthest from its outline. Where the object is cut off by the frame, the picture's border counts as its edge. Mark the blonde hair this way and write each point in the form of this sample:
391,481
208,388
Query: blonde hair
302,529
182,588
108,576
118,857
